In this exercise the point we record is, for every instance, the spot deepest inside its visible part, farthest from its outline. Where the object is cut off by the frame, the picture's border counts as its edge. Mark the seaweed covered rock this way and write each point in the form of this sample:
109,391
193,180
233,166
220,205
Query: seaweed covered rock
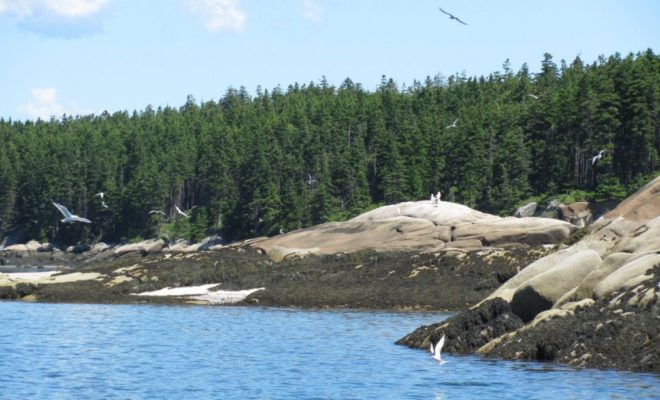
467,331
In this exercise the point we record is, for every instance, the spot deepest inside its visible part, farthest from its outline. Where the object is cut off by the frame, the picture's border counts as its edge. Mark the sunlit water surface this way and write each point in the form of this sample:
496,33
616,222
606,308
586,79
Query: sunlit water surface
71,351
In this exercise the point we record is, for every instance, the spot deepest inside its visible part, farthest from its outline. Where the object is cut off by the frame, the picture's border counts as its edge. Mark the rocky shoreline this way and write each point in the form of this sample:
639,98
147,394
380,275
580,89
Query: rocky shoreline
528,288
593,304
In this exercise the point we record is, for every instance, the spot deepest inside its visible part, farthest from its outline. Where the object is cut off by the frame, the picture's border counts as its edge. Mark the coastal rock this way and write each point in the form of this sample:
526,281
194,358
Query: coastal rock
46,247
468,331
16,248
418,226
541,291
577,306
577,213
32,245
527,210
623,275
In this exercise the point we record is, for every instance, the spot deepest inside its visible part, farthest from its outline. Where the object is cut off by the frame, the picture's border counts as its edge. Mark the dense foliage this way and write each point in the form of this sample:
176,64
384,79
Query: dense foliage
253,165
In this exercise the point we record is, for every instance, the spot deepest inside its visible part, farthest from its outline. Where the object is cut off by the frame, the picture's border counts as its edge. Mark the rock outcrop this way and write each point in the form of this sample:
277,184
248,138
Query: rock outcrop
416,226
585,304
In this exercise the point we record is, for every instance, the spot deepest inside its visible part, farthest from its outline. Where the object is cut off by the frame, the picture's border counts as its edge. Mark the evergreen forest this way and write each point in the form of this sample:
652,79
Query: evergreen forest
281,159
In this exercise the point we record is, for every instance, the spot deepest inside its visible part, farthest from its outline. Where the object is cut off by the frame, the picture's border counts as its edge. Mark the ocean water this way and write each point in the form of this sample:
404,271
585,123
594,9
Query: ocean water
73,351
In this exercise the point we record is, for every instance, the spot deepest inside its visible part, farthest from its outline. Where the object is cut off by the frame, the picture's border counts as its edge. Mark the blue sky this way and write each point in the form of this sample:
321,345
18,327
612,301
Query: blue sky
86,56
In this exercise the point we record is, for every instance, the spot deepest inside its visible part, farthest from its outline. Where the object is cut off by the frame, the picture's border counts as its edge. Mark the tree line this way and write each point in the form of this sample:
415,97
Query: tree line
278,160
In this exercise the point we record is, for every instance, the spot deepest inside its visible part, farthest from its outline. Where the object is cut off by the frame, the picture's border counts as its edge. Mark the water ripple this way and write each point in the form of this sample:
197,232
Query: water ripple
63,351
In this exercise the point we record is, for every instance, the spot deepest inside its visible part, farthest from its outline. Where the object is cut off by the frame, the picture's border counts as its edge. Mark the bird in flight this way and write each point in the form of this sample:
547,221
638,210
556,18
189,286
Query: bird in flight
435,350
157,212
452,16
598,157
311,180
68,217
103,204
533,96
100,194
178,210
453,125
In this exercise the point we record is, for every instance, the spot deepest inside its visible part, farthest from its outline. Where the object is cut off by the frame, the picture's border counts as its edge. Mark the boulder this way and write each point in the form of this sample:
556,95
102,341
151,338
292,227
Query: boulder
577,213
129,248
32,245
210,242
46,248
467,331
418,226
619,278
610,264
155,247
542,291
16,248
527,210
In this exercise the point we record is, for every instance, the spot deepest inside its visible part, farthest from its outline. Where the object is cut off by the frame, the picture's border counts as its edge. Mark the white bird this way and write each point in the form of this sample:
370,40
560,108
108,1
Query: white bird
157,212
452,17
311,180
437,349
453,125
103,204
437,196
598,157
178,210
100,194
68,217
281,231
433,198
535,97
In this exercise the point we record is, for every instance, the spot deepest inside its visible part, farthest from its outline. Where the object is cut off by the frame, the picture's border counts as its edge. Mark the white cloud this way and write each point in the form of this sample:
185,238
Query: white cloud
23,9
75,8
57,18
312,11
43,104
220,14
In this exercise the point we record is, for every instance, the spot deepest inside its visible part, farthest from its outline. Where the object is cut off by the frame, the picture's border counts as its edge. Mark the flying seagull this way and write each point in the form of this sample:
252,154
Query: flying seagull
68,217
453,125
437,349
452,17
100,194
598,157
157,212
533,96
103,204
311,180
178,210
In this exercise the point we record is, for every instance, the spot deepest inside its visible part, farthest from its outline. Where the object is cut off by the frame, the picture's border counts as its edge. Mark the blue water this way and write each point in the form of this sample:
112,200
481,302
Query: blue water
70,351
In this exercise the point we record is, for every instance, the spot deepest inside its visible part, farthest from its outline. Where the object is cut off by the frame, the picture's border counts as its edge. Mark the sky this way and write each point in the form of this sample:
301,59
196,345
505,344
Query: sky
78,57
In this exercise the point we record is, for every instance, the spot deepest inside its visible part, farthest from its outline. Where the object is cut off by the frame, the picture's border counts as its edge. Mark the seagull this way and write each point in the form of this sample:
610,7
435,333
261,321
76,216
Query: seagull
451,16
68,217
433,198
100,194
157,212
281,231
103,204
437,196
311,180
437,349
452,125
533,96
598,157
178,210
